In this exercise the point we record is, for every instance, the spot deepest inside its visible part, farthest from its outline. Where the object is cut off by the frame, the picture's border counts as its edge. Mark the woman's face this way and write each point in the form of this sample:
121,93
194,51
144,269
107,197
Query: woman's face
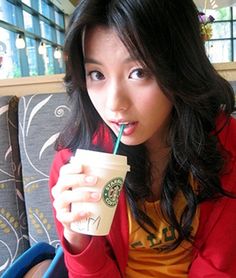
123,91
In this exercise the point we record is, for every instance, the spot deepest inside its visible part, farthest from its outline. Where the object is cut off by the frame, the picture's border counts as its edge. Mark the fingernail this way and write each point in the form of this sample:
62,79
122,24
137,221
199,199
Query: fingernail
90,179
83,213
95,195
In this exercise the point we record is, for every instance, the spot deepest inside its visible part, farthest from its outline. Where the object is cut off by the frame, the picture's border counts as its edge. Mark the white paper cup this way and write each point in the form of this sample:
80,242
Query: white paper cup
111,170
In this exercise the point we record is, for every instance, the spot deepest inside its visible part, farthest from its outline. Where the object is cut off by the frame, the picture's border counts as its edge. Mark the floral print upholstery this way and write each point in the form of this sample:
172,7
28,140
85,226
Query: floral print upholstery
29,127
13,223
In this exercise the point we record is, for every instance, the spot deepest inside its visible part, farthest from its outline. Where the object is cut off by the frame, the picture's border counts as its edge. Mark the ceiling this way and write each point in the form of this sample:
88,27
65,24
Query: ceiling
74,2
214,4
67,6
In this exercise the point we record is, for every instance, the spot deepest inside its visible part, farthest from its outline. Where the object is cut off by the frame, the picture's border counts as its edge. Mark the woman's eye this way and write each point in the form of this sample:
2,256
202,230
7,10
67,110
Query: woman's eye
138,74
96,75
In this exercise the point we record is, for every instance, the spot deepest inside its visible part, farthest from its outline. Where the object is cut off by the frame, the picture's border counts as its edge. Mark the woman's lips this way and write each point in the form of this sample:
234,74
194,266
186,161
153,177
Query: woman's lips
129,127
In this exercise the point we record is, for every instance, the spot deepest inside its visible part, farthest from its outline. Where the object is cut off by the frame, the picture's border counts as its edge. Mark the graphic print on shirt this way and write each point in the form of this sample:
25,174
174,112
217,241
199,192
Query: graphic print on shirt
166,235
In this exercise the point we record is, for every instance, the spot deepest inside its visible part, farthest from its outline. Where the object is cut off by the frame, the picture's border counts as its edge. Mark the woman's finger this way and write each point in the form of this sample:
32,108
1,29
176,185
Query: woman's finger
72,181
72,196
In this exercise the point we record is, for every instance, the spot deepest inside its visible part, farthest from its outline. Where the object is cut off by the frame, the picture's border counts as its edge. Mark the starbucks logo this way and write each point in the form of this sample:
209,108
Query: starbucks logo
111,191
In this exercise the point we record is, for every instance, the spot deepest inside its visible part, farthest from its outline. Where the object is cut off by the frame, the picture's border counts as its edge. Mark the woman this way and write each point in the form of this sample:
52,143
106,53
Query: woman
143,64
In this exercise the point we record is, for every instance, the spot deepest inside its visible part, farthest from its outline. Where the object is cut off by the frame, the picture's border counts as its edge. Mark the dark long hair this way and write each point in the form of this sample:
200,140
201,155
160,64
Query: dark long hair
165,36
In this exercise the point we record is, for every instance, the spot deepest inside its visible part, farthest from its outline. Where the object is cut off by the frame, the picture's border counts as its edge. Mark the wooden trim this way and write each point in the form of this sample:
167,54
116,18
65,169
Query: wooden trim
32,85
227,70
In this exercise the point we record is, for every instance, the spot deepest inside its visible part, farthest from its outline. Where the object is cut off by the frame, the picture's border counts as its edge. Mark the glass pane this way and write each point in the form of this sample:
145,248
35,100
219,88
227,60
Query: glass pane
220,14
234,29
59,19
51,13
46,31
60,37
59,63
44,8
234,50
32,56
220,30
219,51
9,55
28,22
234,12
48,60
8,12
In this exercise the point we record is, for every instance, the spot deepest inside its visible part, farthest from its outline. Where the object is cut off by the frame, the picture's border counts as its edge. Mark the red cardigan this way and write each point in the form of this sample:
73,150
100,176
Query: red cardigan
215,243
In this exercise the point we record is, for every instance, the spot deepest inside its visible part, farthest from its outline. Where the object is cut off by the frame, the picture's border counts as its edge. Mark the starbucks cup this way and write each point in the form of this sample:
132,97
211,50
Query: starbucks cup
111,170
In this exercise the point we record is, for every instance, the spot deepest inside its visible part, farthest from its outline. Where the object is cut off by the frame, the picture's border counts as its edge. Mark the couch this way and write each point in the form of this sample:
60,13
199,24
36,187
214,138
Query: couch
29,126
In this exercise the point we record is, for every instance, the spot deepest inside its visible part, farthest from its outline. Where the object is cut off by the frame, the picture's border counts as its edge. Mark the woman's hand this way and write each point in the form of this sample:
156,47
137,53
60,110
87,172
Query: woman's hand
72,176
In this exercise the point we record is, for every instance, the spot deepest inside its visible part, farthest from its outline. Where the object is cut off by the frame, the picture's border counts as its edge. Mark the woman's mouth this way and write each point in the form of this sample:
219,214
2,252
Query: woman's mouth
129,127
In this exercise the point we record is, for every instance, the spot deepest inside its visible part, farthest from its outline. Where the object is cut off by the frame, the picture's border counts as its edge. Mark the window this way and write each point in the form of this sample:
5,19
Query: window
9,55
221,47
34,22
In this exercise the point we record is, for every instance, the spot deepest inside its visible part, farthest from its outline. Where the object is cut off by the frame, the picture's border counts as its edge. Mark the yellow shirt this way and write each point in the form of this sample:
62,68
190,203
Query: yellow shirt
145,259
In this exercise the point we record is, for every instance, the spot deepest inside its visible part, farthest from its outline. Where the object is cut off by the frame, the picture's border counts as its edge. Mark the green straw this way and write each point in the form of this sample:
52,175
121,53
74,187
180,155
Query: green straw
118,138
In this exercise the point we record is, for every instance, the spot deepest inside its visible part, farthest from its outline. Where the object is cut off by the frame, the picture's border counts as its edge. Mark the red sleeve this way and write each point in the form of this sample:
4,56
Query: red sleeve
96,260
216,240
216,256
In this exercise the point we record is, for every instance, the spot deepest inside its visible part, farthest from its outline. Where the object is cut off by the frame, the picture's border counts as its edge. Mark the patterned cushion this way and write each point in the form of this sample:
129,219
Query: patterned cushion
13,224
41,117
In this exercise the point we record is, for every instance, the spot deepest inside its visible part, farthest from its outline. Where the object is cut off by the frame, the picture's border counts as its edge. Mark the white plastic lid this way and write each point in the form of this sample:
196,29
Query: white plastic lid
88,157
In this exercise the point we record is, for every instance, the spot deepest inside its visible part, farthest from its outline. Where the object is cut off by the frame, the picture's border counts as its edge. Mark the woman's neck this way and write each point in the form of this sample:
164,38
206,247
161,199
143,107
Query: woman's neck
159,159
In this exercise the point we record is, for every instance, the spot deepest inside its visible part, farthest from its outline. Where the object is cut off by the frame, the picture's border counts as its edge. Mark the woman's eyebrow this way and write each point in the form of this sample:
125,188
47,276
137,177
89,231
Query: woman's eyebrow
88,60
130,59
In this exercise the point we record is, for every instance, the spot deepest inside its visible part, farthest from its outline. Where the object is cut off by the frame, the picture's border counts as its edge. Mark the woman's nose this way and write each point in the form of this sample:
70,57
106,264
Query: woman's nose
117,97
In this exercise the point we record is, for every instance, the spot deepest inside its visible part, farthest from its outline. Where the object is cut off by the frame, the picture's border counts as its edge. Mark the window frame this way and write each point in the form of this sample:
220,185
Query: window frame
36,33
